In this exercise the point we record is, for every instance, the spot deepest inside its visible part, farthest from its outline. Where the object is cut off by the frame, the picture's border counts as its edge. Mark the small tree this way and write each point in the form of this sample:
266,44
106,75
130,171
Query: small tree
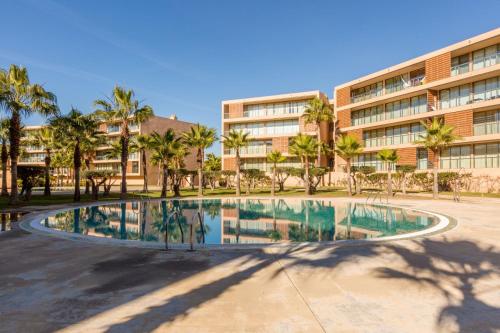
348,147
249,178
389,157
275,157
98,178
30,176
282,175
306,148
236,140
405,172
437,136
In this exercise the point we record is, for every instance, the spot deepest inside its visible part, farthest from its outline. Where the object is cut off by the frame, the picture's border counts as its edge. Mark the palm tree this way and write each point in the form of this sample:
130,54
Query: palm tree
75,128
4,137
275,157
305,147
163,147
88,149
19,97
437,136
123,109
44,138
236,140
389,157
200,137
143,143
213,163
316,112
180,151
348,147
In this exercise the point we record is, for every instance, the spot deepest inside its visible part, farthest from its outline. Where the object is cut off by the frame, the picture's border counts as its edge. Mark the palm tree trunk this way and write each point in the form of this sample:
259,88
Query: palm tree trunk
238,189
87,182
435,186
306,181
389,180
144,171
348,167
5,160
77,163
14,139
46,190
200,172
274,180
164,185
124,160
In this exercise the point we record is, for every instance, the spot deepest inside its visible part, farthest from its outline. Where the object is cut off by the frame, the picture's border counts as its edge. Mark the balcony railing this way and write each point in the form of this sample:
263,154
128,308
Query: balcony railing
460,69
250,151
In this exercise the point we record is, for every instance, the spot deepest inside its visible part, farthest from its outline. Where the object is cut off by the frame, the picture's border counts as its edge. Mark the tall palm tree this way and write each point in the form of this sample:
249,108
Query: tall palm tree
275,157
163,147
348,147
143,143
88,149
318,111
44,138
389,157
19,97
123,109
4,137
75,128
305,147
236,140
437,137
200,137
180,151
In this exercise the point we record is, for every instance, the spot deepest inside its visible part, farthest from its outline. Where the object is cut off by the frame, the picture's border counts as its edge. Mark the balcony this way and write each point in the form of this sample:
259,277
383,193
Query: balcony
460,69
257,150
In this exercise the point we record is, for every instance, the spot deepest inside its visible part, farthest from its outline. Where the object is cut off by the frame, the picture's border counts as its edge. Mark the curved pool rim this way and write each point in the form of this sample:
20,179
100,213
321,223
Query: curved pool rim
33,223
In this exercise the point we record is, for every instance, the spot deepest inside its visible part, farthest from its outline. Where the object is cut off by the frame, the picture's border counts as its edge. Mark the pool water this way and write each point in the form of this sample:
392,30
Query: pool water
6,219
238,221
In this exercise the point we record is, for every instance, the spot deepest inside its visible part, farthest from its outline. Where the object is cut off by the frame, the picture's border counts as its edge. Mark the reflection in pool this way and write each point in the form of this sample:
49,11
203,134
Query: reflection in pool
239,221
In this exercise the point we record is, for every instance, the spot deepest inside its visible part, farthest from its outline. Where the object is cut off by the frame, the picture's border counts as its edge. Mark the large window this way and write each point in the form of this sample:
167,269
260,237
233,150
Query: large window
460,64
487,122
33,158
487,155
368,159
456,157
254,147
486,57
397,109
455,96
366,92
404,81
393,135
280,127
422,159
486,89
271,109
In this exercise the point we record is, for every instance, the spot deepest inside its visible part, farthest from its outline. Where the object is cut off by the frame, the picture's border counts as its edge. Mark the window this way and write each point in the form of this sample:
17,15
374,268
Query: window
368,159
112,128
455,96
271,109
486,122
279,127
422,159
135,167
486,57
460,64
367,92
486,89
486,155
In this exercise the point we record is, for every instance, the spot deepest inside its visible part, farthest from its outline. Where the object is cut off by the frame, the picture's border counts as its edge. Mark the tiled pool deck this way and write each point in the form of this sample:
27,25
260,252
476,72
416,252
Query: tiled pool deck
448,282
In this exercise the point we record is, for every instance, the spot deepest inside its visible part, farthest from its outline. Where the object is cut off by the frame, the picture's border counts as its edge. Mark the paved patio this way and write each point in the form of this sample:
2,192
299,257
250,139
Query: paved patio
444,283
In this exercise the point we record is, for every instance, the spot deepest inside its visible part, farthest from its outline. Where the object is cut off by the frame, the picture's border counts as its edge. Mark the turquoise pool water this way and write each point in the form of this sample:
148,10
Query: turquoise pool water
234,221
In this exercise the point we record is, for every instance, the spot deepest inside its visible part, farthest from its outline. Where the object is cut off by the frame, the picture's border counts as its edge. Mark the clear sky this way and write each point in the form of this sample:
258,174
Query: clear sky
185,57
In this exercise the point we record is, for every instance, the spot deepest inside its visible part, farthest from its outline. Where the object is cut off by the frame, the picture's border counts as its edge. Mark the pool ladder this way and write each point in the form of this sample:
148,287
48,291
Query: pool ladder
176,215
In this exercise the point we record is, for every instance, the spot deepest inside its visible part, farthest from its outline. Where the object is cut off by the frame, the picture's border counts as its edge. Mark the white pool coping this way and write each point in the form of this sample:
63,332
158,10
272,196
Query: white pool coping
33,223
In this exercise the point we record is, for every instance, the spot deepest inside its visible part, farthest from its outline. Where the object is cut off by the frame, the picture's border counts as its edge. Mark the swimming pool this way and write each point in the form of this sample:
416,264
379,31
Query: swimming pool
238,221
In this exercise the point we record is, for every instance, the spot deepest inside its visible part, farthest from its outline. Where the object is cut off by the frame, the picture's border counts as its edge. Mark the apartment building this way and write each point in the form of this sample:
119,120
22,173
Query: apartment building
36,155
459,83
270,121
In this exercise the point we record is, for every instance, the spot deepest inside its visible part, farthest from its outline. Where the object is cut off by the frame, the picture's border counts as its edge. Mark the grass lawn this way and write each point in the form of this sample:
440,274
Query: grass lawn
54,199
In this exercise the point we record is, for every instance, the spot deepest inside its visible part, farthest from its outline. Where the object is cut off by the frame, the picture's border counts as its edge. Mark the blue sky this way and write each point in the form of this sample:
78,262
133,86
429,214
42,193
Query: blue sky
184,57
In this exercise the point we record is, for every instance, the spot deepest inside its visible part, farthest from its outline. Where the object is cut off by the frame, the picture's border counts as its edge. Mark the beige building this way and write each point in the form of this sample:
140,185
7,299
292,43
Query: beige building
459,84
271,122
36,155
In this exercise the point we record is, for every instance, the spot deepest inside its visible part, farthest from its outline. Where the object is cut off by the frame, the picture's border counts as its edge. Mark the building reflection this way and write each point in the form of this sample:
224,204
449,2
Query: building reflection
235,221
